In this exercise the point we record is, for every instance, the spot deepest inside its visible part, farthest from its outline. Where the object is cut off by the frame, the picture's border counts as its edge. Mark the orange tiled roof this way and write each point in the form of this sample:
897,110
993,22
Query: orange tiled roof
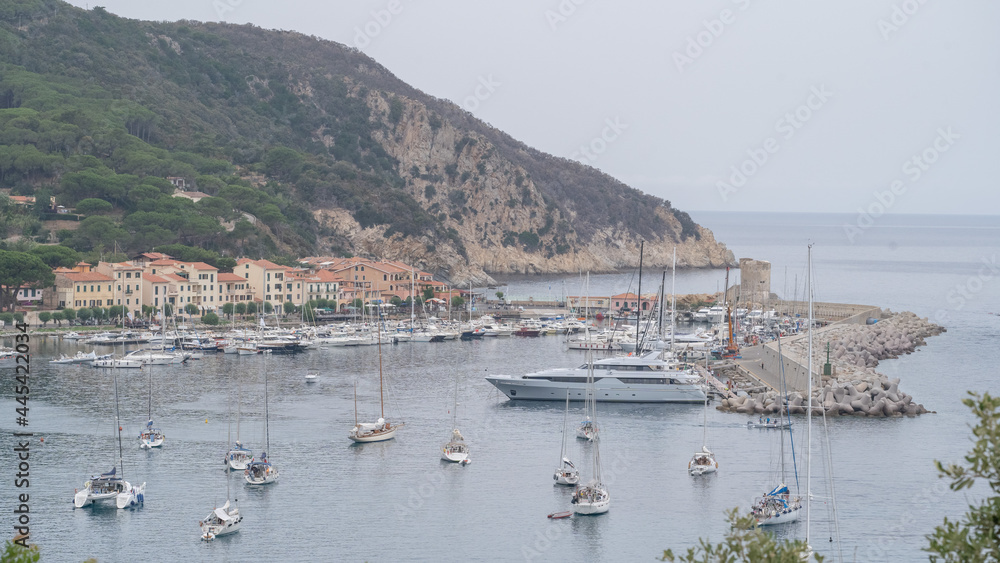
87,277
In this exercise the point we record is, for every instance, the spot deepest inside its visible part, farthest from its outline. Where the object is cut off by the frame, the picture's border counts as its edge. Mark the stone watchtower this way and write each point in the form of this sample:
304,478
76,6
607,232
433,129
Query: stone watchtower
755,282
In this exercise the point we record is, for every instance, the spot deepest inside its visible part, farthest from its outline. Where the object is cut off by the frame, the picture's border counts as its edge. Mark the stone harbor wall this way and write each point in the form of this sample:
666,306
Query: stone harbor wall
854,387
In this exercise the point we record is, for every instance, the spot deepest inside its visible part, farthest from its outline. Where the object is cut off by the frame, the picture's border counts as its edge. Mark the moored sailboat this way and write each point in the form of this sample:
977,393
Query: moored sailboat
593,497
150,437
110,485
566,473
381,429
261,471
704,461
456,449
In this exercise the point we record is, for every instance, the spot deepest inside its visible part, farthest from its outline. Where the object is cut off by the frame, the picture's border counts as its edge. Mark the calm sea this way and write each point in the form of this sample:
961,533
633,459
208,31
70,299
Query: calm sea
396,501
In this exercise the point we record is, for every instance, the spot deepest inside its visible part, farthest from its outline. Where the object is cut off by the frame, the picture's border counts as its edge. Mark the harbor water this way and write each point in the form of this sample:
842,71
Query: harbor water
397,501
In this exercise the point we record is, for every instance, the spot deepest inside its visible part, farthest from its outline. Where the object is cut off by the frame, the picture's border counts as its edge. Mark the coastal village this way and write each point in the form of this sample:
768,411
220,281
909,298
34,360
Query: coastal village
151,280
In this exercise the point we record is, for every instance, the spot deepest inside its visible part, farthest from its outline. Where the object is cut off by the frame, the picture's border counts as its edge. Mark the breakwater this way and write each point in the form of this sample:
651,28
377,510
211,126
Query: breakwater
844,359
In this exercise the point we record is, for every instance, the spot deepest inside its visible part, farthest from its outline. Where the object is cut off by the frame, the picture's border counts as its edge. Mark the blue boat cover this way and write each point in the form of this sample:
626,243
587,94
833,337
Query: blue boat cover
779,490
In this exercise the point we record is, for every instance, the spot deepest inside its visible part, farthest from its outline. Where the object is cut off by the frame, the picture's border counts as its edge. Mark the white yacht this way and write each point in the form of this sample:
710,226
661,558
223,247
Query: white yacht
626,379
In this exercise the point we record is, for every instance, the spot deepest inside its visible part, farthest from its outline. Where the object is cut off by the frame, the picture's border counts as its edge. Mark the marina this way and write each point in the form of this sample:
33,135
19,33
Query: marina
404,482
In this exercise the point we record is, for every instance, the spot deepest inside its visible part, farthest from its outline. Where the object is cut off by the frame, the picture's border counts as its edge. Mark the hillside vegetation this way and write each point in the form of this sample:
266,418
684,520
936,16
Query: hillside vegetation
304,146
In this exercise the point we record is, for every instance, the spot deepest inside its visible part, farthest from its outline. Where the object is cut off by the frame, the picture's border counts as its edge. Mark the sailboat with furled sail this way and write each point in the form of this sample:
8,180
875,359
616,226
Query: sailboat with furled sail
111,485
592,497
238,457
224,520
566,473
261,471
456,449
150,437
381,429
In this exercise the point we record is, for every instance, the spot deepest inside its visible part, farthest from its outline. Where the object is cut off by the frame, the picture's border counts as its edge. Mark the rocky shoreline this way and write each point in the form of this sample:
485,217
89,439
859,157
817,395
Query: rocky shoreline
854,388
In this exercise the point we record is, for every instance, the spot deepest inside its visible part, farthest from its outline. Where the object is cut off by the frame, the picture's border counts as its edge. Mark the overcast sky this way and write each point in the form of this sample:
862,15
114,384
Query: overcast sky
729,105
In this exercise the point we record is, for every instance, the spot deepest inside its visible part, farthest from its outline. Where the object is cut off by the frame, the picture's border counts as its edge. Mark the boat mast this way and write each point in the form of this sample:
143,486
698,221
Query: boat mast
562,451
267,433
673,300
454,411
659,320
121,456
638,306
381,400
809,410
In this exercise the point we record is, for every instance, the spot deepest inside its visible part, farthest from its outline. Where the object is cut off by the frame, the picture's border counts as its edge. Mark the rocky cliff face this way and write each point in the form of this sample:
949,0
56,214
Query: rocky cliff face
499,220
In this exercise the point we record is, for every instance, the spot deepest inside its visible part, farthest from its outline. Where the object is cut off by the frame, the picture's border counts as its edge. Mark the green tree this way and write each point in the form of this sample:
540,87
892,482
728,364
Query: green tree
241,309
84,314
428,293
93,206
396,300
191,309
976,536
55,255
58,317
7,318
358,303
228,308
210,319
745,542
116,312
283,163
19,317
251,308
225,264
168,310
457,301
17,553
289,307
268,308
499,295
69,314
20,269
44,317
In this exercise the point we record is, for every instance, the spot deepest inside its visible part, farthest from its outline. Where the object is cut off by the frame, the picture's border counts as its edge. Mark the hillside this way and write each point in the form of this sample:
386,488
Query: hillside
305,147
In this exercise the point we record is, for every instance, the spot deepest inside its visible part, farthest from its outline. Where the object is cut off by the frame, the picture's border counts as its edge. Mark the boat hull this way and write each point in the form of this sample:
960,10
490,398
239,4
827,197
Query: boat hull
606,391
562,477
780,518
592,508
377,437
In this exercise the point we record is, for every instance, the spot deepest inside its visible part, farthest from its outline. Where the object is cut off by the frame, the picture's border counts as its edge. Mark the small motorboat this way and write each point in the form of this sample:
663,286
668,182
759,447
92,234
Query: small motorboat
558,515
311,378
769,423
